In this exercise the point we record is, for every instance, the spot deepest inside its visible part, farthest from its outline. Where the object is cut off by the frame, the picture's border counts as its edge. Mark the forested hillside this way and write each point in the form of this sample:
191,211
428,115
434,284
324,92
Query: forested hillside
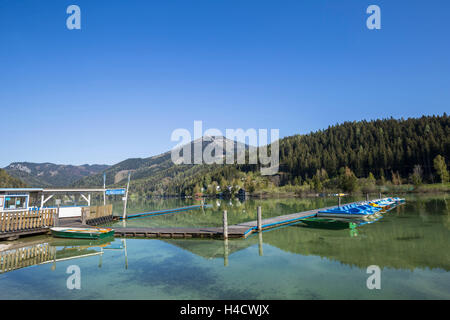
382,147
344,157
6,181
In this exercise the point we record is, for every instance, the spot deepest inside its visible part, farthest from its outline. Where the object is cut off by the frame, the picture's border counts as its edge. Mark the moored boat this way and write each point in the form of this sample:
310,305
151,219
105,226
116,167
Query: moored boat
82,233
365,209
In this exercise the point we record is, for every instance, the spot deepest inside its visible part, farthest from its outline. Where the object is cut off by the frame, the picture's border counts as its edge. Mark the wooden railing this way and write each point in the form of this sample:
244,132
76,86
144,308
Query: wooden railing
97,214
26,220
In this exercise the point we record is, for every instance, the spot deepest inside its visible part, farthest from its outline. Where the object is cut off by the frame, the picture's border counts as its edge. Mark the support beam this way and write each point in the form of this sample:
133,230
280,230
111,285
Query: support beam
88,199
126,198
104,187
43,201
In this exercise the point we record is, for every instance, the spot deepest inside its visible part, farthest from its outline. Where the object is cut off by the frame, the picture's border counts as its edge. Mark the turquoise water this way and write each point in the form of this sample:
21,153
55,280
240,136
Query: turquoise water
410,245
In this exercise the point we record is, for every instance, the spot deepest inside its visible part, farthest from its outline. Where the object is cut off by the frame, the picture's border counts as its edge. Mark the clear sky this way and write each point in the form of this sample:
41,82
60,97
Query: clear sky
137,70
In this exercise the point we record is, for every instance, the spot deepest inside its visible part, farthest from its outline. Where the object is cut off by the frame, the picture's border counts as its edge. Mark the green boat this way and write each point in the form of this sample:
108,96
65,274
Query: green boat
324,223
82,233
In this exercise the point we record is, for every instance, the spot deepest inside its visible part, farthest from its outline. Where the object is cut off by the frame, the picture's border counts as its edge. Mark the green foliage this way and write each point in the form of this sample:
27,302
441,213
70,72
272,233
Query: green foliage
347,180
379,146
441,168
371,153
416,176
6,181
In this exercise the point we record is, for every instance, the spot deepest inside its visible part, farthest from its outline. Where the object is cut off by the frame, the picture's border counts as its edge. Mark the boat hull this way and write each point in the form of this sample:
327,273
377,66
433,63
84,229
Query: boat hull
342,215
82,233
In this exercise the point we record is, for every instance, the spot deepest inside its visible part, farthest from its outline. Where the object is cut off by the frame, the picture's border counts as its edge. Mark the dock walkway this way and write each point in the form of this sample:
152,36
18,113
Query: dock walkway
241,230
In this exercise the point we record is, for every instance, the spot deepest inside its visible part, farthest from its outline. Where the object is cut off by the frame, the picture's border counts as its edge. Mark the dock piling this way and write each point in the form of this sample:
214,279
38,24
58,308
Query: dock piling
225,224
125,199
83,216
56,218
259,218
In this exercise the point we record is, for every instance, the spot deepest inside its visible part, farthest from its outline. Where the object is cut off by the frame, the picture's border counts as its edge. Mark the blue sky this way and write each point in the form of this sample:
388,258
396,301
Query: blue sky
137,70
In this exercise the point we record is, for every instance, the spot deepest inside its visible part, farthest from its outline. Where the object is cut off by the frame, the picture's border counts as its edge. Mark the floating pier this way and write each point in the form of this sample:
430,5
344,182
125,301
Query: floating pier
241,230
233,232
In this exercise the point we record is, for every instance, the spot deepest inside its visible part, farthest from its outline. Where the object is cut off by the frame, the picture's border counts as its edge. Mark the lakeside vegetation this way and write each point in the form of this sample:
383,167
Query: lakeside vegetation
389,155
7,181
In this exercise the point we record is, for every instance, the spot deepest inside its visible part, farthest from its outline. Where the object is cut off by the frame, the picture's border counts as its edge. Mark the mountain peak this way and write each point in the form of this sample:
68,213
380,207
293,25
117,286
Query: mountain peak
51,175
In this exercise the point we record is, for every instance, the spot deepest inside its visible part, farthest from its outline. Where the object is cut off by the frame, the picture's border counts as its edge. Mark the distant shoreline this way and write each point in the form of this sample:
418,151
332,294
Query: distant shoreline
298,192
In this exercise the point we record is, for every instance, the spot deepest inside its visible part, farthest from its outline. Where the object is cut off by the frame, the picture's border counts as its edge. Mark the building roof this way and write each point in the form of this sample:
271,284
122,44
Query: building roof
49,190
21,189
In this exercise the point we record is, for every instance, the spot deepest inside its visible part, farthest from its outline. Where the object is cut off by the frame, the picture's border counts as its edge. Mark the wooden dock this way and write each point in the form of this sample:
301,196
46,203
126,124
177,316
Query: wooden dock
241,230
233,232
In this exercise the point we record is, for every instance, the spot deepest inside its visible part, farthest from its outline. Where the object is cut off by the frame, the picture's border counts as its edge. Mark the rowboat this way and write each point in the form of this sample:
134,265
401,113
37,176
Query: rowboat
82,233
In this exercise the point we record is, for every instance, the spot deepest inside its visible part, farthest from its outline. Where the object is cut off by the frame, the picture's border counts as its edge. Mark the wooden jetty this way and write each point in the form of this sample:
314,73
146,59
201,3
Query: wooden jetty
233,232
241,230
97,215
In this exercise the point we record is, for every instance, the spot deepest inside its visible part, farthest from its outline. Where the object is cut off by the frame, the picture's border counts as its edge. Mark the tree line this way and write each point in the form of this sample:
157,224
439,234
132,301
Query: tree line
344,157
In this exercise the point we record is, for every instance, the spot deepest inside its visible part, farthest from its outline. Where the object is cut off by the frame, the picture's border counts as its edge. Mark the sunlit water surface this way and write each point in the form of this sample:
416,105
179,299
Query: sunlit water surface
410,245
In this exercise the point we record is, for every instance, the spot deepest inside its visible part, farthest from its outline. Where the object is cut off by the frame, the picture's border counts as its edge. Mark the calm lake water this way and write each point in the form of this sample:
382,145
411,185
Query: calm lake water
410,244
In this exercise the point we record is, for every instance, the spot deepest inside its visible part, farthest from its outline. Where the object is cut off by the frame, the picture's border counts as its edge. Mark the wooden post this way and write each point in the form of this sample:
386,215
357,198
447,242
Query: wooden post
104,189
126,198
83,216
339,201
225,224
367,197
380,195
56,218
259,214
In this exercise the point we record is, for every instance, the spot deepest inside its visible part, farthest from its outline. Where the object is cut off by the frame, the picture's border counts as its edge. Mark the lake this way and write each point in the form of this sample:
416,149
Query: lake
410,245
